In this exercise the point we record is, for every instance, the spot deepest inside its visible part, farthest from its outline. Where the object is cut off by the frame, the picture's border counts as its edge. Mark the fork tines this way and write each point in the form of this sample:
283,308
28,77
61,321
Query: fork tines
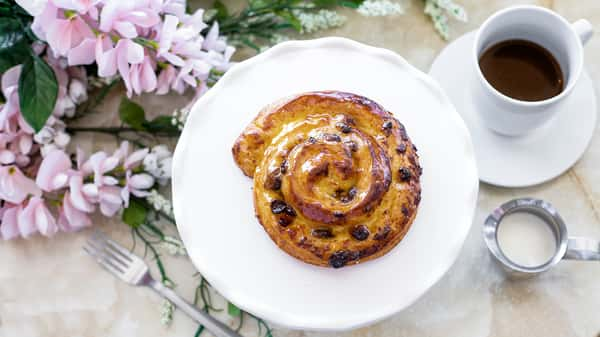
108,253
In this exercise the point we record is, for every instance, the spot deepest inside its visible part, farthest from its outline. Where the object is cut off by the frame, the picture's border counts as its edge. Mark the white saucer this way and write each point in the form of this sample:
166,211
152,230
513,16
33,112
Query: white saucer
517,161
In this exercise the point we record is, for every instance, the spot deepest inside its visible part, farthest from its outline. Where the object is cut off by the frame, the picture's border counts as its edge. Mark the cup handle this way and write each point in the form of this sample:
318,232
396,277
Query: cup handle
579,248
584,29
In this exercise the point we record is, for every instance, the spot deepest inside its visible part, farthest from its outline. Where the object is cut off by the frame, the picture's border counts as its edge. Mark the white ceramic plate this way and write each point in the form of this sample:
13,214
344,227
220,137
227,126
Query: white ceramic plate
518,161
213,199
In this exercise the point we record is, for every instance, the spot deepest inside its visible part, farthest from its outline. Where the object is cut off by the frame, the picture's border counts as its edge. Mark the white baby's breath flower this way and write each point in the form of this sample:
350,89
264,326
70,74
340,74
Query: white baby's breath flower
179,117
159,202
380,8
158,163
321,20
173,246
166,312
439,10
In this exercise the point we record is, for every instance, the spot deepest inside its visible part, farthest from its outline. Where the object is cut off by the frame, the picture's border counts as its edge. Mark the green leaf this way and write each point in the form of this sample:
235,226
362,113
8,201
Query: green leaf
132,114
11,33
135,214
233,310
256,4
12,56
290,18
351,3
14,47
222,12
325,3
162,124
38,91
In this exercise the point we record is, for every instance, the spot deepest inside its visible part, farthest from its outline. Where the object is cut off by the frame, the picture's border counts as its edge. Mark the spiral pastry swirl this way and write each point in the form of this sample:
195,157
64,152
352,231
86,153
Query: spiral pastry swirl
336,178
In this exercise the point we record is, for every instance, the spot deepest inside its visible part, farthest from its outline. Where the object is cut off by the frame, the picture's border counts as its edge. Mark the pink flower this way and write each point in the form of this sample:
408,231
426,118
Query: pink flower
119,58
70,218
85,52
165,80
64,34
35,217
103,190
124,16
81,6
136,184
77,198
212,41
53,173
141,77
9,227
100,163
10,115
33,7
110,200
15,186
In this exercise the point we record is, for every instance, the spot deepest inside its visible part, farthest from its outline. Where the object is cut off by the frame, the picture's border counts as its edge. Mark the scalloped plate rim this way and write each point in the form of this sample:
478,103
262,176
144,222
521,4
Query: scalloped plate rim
275,315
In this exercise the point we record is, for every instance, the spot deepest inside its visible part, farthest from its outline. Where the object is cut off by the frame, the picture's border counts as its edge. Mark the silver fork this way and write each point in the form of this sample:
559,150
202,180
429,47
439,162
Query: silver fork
133,270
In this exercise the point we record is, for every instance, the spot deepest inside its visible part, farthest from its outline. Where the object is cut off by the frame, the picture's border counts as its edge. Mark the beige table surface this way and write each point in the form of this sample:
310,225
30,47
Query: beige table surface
50,288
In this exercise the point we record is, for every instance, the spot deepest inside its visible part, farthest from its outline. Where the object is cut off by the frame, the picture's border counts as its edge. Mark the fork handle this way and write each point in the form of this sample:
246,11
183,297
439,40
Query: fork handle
215,327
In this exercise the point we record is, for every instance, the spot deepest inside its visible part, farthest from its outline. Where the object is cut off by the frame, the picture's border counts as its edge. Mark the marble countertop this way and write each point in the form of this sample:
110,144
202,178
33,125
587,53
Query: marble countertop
50,288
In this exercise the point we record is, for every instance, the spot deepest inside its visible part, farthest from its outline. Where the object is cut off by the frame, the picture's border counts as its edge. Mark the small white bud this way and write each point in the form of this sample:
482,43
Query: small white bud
77,91
62,139
44,136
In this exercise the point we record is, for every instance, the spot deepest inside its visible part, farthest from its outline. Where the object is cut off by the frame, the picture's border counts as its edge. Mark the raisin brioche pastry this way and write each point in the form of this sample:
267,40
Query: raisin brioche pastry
336,178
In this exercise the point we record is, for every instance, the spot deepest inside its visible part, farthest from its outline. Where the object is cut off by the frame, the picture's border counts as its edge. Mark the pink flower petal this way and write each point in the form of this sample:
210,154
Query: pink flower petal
211,37
140,193
134,52
108,180
72,219
9,228
125,196
110,200
44,220
15,186
81,31
90,191
147,76
10,79
135,158
126,29
77,198
59,36
55,163
173,59
25,143
106,57
141,181
7,157
143,17
84,53
134,79
26,220
166,34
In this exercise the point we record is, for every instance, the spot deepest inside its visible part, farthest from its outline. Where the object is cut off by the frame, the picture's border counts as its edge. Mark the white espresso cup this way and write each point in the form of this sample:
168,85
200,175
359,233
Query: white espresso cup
513,117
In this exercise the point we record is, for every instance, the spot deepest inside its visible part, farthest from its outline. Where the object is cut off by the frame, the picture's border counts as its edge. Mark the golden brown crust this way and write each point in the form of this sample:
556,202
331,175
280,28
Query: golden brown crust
336,178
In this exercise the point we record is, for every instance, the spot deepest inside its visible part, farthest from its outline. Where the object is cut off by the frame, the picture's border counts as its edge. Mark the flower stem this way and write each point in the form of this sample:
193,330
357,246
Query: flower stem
109,130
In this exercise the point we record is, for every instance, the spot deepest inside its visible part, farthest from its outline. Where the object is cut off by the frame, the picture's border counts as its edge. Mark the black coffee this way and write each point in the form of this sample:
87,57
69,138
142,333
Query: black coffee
522,70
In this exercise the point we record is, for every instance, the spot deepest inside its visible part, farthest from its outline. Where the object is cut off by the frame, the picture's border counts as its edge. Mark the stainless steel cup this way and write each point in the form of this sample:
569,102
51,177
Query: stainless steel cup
573,248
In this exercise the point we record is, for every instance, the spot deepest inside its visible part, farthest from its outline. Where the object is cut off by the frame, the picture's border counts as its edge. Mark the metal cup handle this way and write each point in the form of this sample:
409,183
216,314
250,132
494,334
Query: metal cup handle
586,249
